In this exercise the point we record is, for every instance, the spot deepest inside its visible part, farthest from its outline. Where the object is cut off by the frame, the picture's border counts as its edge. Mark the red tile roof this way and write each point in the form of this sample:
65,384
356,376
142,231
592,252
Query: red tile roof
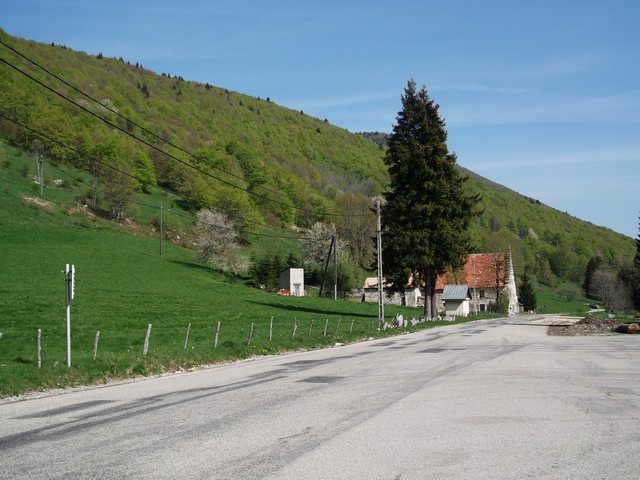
479,271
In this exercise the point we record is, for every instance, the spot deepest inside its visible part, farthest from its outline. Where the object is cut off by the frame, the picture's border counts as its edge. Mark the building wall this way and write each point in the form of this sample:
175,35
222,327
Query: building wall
457,308
292,280
409,298
480,300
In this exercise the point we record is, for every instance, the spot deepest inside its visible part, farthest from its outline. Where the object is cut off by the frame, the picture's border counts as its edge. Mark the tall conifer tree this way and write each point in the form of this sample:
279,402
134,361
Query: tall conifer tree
427,211
526,294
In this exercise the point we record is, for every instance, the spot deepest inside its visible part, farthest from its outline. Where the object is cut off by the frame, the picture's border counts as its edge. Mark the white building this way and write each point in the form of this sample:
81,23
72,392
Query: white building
292,281
456,299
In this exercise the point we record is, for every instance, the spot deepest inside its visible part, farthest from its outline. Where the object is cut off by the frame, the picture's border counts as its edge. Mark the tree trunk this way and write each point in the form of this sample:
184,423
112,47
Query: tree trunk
430,309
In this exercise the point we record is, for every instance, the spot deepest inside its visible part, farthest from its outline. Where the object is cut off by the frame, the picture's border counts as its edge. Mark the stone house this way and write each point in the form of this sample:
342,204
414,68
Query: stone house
410,296
487,276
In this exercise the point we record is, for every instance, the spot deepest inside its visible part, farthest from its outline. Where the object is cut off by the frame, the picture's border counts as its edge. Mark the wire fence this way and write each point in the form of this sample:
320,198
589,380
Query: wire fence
265,336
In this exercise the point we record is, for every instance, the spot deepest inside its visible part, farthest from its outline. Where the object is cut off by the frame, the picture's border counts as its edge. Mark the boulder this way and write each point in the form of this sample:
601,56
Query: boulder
622,328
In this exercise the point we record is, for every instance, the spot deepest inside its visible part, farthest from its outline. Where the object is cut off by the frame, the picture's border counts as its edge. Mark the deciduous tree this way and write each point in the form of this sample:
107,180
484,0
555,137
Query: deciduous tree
613,292
216,241
357,226
316,242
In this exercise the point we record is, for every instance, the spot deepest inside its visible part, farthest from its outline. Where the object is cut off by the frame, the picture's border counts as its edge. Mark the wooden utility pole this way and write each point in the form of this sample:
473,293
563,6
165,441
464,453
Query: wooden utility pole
335,268
161,235
380,279
326,265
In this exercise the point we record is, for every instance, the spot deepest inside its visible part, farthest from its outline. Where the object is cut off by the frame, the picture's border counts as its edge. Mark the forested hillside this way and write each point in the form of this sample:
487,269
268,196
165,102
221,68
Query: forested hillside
278,158
134,130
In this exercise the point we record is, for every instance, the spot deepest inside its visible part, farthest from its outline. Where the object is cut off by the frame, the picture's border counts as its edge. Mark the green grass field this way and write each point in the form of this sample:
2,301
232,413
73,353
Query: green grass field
551,301
122,285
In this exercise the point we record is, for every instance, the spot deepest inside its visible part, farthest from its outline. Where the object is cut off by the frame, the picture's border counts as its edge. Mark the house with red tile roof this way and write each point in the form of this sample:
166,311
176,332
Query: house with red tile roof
489,277
486,274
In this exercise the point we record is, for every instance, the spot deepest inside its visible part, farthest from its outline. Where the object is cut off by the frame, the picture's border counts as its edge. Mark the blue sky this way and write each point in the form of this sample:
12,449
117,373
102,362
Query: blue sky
540,96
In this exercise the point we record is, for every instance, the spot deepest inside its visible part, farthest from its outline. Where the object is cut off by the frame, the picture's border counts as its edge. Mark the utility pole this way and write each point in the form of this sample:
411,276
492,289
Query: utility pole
40,163
475,295
161,209
326,264
380,280
69,281
335,268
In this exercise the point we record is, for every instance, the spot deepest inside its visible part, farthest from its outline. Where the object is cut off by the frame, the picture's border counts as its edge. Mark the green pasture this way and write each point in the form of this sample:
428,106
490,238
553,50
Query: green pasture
551,300
121,286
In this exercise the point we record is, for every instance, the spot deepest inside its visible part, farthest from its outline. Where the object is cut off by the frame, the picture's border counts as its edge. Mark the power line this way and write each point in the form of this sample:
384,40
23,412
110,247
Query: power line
111,124
46,137
153,134
132,122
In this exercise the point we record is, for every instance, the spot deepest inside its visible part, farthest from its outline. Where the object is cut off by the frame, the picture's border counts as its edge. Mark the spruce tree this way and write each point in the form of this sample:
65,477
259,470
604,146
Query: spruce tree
427,212
526,295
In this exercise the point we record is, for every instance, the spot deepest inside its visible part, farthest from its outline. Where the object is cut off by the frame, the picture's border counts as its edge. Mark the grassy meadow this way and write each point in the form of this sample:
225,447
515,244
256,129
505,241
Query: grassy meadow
121,286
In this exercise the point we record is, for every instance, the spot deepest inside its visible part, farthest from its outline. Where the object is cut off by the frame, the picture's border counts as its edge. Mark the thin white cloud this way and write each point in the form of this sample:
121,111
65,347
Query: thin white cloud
344,100
613,158
546,107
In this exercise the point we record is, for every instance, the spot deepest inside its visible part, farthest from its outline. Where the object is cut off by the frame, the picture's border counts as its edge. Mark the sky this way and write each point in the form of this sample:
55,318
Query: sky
540,96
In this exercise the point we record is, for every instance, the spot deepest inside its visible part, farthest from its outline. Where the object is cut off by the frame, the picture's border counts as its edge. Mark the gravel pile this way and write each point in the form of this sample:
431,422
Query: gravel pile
587,326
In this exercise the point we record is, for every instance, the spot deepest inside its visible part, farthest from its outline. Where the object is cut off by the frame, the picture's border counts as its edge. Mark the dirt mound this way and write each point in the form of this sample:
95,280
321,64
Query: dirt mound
587,326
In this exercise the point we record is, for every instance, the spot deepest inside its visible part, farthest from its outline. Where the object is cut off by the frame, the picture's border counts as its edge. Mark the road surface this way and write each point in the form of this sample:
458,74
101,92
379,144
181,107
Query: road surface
494,399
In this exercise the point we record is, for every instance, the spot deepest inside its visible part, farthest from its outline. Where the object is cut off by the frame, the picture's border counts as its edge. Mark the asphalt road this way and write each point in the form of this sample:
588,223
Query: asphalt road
491,399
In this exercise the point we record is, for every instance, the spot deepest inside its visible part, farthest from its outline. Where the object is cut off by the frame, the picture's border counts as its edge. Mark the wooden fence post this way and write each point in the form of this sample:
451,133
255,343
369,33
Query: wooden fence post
326,324
215,339
250,334
38,357
351,329
338,326
295,327
310,326
95,344
146,340
271,329
186,339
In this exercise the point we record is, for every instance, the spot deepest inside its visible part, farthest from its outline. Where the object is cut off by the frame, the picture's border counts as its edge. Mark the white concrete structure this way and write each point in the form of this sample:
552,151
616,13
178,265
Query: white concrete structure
292,280
456,300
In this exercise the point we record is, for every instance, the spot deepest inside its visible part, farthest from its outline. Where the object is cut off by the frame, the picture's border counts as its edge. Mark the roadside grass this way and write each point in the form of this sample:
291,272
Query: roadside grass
122,285
551,301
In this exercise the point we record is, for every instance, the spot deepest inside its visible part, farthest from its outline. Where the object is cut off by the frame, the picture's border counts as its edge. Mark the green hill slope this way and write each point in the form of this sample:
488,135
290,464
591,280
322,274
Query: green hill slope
123,285
262,162
300,160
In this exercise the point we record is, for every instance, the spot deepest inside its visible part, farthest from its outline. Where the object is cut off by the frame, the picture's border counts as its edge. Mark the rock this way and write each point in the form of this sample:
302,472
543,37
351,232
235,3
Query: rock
623,328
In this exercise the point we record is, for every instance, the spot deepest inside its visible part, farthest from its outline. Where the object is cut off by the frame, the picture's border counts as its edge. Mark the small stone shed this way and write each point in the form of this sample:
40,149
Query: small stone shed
292,282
